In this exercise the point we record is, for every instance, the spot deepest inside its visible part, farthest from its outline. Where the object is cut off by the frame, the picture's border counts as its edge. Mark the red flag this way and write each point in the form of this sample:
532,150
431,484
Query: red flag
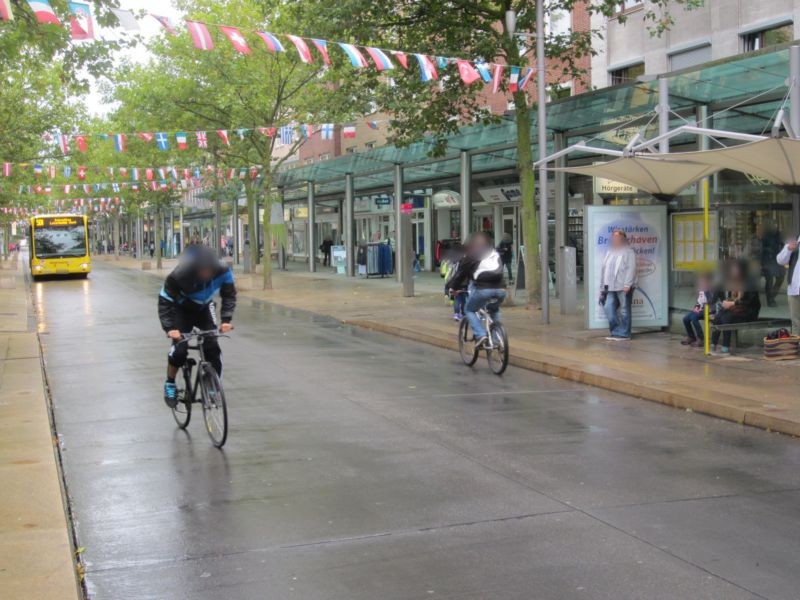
200,35
223,134
236,38
82,173
202,140
147,137
401,58
123,172
165,23
302,48
80,140
6,169
469,74
63,142
253,172
322,46
497,76
148,174
268,131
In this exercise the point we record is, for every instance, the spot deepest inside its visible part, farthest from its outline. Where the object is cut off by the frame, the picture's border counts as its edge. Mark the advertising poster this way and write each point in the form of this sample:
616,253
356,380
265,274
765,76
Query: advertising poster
646,228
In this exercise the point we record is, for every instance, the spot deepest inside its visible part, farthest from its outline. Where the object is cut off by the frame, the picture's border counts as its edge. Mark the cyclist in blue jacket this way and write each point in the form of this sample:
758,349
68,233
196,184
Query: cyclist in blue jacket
185,302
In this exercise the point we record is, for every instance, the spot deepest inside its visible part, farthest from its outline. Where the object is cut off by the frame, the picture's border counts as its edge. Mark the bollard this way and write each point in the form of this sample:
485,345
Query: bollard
407,264
569,287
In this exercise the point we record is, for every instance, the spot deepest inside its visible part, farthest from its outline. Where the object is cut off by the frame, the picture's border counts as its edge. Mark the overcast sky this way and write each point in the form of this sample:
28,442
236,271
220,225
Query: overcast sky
149,28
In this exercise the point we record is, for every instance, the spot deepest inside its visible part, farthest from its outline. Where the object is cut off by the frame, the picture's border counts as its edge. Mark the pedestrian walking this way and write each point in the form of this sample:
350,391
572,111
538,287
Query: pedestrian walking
617,282
325,248
506,251
770,244
788,258
152,249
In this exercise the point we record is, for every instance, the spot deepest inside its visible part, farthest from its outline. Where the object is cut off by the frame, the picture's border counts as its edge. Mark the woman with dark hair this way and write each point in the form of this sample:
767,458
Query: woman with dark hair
741,303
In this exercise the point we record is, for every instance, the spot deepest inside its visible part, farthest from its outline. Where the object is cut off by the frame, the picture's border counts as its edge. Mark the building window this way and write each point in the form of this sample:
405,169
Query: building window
689,58
626,74
325,156
309,160
559,91
350,150
768,37
559,22
369,145
627,5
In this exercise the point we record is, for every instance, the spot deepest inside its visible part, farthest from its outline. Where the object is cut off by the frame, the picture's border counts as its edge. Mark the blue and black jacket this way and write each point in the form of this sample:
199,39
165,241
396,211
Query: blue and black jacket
183,290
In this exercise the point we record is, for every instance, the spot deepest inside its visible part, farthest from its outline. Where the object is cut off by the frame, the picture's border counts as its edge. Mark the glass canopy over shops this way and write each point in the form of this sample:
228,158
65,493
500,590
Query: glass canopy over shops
741,94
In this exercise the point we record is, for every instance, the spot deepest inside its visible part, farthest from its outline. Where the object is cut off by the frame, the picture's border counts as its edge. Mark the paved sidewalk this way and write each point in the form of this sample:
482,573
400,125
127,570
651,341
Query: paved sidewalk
653,366
35,551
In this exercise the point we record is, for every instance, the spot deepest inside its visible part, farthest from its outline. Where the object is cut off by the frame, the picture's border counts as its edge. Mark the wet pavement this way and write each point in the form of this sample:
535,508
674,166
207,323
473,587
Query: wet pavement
361,467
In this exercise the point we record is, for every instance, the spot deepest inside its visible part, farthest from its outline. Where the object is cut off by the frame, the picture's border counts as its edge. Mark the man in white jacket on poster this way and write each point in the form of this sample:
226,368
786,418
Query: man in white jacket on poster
617,282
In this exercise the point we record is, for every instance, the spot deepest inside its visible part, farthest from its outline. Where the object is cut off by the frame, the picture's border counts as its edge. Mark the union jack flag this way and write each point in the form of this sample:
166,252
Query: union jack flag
202,139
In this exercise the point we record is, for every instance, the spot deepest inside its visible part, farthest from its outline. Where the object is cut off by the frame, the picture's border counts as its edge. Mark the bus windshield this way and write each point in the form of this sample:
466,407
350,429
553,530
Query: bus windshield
59,238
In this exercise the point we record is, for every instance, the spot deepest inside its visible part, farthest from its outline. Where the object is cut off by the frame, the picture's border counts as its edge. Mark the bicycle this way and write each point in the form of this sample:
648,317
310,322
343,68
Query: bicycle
206,381
496,344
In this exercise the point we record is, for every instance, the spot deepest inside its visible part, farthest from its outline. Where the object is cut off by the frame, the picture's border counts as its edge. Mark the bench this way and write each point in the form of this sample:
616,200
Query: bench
749,325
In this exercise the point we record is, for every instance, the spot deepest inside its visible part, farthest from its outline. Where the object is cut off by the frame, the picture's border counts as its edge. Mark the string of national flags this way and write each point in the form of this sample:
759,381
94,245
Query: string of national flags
470,71
165,140
123,176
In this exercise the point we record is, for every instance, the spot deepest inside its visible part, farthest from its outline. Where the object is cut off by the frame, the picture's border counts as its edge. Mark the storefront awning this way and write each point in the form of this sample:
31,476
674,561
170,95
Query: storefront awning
663,179
774,159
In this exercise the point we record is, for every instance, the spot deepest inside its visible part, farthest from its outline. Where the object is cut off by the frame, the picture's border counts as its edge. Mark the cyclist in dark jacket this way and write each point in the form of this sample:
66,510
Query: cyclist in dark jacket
185,302
481,270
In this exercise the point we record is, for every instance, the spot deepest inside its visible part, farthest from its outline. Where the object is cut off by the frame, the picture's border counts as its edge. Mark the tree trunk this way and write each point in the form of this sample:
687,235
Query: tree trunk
530,221
116,236
267,234
157,238
250,240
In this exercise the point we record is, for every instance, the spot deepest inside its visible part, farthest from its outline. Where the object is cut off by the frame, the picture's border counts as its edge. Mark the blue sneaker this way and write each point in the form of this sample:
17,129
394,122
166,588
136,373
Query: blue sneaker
724,350
170,394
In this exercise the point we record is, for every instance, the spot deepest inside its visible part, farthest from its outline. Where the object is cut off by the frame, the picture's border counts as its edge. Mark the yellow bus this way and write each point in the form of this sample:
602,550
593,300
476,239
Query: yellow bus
59,245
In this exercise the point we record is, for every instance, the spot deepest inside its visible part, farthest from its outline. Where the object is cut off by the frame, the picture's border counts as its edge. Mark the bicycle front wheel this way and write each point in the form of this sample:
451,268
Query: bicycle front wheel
466,347
498,354
182,413
215,411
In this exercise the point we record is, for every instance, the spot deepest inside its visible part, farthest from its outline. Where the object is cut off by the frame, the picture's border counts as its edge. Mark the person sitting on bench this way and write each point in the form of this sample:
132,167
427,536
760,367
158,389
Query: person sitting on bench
741,303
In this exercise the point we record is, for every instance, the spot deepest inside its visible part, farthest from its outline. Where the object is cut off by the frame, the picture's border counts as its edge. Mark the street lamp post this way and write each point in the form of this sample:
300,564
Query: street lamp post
541,78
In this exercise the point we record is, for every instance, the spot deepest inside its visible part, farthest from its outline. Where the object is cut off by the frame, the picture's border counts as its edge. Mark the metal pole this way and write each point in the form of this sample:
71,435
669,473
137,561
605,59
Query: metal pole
466,194
235,226
218,224
663,113
543,233
312,234
281,244
794,76
562,217
399,251
349,230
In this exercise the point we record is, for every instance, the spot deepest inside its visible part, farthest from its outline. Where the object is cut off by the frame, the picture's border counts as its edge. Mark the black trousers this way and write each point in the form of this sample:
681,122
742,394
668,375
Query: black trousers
204,319
726,317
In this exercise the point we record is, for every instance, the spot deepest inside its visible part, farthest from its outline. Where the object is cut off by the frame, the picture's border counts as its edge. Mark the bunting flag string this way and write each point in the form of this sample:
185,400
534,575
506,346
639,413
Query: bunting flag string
81,27
286,134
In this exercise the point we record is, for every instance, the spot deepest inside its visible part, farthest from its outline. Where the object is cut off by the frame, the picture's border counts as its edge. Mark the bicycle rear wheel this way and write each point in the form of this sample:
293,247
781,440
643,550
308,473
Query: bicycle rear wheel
215,411
182,413
466,347
498,354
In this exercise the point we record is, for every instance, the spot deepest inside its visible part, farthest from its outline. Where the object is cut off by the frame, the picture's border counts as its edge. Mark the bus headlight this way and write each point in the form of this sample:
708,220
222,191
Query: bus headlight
38,268
84,266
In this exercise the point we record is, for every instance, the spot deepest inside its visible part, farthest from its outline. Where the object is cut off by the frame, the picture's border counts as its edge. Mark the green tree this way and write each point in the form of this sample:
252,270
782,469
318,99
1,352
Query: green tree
472,29
185,88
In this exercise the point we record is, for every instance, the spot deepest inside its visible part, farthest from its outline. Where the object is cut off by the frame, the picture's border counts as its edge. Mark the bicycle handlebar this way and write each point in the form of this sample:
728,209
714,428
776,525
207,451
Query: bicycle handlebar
188,336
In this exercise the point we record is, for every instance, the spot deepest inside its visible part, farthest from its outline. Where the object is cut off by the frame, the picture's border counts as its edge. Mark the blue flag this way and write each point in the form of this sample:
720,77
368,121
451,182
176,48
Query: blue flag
162,141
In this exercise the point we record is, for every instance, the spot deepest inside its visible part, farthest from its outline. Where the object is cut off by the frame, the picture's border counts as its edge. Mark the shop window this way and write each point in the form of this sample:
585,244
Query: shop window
626,74
369,145
690,58
309,160
768,37
325,156
350,150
